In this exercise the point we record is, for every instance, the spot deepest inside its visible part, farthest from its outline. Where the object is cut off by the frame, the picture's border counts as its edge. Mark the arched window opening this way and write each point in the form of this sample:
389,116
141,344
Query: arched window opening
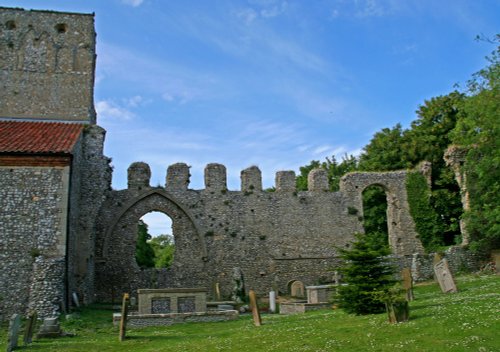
155,241
375,214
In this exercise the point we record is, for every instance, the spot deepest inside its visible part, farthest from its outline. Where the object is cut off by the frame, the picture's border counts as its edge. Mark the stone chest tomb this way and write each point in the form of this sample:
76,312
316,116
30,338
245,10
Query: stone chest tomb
176,300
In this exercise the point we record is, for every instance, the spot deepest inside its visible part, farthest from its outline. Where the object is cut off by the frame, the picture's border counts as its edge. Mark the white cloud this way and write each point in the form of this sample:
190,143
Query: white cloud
274,11
152,76
364,8
135,101
370,8
264,10
321,149
247,15
109,110
133,3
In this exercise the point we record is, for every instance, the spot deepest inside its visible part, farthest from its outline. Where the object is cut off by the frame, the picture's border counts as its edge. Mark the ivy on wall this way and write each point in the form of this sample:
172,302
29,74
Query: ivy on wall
424,216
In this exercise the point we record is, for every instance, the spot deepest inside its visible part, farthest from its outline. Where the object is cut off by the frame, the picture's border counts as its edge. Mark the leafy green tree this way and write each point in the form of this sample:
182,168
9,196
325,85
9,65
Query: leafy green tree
334,169
144,253
428,137
301,179
367,272
385,152
479,129
375,211
163,246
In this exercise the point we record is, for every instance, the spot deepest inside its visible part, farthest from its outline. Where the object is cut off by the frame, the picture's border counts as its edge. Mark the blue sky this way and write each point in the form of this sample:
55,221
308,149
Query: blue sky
270,83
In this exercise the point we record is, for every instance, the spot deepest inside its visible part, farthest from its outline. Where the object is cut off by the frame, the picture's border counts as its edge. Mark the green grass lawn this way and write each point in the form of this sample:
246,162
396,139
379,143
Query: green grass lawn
465,321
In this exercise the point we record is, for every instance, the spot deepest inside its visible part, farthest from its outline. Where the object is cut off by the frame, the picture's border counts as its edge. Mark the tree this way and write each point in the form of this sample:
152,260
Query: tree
367,274
334,169
144,253
479,129
163,246
375,211
385,152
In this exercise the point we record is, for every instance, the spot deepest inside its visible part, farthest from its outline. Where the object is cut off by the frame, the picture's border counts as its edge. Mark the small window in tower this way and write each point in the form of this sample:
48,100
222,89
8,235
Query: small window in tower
10,25
61,27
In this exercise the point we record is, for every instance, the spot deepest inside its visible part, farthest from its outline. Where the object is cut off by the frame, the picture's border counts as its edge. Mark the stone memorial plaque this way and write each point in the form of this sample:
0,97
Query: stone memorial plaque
444,277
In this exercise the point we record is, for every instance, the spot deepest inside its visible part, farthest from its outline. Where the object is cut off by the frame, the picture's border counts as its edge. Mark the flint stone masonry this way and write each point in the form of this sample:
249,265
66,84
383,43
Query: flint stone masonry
64,230
274,237
48,228
33,202
49,202
42,49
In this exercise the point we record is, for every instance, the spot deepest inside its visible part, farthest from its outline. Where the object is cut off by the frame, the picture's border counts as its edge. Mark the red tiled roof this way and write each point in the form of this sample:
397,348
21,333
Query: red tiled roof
38,137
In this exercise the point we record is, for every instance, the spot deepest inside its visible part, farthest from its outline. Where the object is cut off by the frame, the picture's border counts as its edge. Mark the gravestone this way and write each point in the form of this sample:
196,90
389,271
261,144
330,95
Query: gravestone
495,256
255,308
336,278
217,292
444,277
13,335
297,289
30,327
239,285
319,294
407,283
437,258
76,301
123,320
272,302
50,328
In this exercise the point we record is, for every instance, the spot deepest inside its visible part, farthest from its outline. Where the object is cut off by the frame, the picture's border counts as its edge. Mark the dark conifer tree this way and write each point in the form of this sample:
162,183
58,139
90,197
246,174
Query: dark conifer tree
367,273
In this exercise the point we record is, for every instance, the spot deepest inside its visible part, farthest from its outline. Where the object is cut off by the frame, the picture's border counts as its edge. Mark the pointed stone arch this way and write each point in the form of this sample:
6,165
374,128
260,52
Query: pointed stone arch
168,198
117,271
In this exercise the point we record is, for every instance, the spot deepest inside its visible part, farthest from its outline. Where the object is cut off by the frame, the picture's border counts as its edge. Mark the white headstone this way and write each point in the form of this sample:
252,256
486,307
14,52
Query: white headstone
272,302
75,300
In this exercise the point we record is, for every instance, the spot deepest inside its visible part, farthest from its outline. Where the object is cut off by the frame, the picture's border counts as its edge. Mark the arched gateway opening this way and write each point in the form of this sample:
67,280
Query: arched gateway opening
375,213
117,270
402,235
155,245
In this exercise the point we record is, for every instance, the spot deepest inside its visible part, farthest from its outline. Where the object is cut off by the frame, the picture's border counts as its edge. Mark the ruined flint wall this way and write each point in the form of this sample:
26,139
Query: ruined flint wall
273,237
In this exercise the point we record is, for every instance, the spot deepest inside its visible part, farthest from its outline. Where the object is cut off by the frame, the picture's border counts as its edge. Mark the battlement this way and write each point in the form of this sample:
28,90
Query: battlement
177,179
47,64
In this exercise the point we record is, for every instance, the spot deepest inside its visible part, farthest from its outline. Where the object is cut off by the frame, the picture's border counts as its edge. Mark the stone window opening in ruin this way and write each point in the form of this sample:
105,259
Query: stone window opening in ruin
61,28
375,213
155,245
10,25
